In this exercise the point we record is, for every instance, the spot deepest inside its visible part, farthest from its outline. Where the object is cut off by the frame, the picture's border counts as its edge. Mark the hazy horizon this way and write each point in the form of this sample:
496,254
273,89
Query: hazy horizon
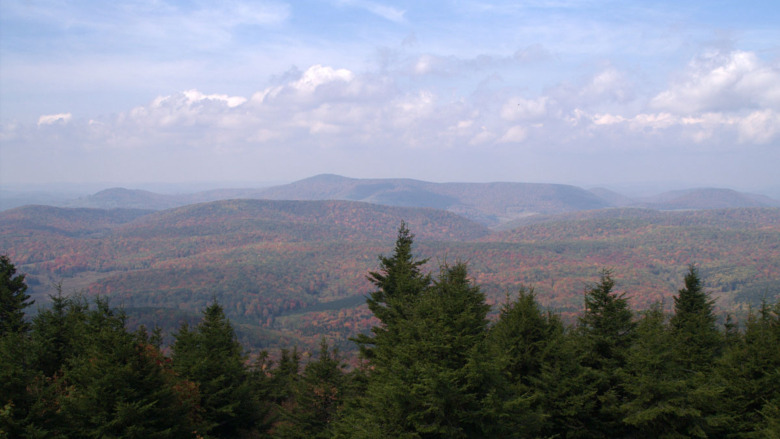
591,94
77,190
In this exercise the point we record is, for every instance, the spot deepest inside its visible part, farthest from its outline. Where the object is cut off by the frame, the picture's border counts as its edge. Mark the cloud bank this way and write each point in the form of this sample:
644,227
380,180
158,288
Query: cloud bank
543,91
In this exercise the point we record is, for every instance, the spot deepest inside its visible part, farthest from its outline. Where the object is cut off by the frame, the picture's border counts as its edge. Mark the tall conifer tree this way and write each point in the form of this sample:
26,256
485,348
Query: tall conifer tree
211,356
607,329
523,341
13,298
426,362
696,335
399,282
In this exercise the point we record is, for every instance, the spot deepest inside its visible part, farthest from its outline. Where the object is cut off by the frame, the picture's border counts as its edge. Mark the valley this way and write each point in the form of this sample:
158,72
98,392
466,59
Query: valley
289,271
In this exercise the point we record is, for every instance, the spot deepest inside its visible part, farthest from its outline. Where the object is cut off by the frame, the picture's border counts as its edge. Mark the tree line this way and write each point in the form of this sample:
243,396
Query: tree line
434,366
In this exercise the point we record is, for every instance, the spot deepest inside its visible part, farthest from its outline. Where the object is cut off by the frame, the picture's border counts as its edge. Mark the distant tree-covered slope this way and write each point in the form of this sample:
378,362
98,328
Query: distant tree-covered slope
489,203
293,270
706,198
302,221
738,249
66,221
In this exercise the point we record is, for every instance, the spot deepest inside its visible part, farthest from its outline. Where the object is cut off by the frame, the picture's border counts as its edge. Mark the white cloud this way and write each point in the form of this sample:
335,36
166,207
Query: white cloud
610,85
722,82
515,134
325,112
318,75
308,84
51,119
760,126
524,109
194,96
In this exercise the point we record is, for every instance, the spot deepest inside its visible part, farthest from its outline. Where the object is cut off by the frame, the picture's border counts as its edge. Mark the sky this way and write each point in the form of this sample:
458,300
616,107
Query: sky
586,92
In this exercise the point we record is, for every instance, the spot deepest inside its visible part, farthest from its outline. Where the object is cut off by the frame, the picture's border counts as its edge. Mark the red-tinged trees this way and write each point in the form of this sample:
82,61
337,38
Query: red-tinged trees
84,375
123,386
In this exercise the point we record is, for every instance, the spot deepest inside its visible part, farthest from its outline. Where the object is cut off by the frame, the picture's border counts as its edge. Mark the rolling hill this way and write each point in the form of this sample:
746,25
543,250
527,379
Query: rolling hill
497,205
706,198
288,272
488,203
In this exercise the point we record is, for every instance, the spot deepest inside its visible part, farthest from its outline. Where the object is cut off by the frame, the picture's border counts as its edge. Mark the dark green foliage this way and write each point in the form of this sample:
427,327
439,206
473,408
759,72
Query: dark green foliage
568,396
751,369
13,298
432,368
673,389
210,356
81,374
696,336
317,397
607,330
664,399
399,282
427,374
448,383
284,377
607,324
522,342
122,386
17,375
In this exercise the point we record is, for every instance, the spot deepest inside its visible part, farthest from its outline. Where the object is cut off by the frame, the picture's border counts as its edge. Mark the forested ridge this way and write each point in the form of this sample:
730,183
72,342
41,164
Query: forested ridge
432,365
288,272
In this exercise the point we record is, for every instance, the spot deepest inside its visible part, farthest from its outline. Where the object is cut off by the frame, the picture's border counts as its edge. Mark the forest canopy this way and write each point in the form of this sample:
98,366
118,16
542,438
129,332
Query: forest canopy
433,365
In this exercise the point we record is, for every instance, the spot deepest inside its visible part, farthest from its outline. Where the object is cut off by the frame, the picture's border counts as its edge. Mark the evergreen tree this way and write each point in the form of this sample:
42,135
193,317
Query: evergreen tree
318,396
13,298
120,385
18,376
285,376
17,372
607,329
383,410
664,400
522,342
751,370
59,332
567,391
86,376
450,376
607,324
696,335
211,356
426,361
399,282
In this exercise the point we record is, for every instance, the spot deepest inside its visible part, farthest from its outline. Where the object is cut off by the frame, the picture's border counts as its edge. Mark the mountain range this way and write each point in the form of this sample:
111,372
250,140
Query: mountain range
289,263
491,204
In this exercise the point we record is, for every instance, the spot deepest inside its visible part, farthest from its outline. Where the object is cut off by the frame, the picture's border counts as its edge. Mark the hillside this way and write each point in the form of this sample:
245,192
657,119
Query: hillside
498,205
76,221
706,198
488,203
294,270
294,221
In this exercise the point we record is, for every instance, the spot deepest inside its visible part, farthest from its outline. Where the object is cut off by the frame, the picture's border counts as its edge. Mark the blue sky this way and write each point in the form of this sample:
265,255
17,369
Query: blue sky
584,92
